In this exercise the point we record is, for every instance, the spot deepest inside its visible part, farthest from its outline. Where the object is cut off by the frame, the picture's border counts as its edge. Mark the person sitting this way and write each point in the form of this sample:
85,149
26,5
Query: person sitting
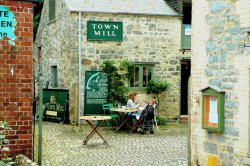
131,100
131,104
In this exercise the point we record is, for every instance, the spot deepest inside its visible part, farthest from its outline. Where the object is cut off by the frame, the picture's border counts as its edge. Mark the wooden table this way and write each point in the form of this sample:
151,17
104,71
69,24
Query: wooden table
123,116
89,120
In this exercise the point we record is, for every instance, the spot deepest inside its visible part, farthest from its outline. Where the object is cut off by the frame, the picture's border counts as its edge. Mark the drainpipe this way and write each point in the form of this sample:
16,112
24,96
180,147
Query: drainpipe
79,64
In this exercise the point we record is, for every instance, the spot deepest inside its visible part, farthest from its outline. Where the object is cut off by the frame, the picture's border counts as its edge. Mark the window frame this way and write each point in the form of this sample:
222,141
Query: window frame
141,66
54,76
52,10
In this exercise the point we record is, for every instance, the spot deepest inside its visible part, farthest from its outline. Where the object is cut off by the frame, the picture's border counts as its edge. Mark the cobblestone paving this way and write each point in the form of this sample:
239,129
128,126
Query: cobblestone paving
62,146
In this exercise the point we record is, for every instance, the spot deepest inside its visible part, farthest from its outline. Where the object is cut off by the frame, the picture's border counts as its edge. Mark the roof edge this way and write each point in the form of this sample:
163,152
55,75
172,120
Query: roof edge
34,1
147,14
214,88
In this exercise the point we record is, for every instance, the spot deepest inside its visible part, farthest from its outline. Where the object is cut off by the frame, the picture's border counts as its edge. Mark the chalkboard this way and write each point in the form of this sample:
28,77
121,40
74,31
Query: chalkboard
96,92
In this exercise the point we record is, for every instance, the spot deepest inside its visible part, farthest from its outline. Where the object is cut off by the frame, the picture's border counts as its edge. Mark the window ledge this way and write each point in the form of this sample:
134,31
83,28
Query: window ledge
51,21
185,49
146,63
138,89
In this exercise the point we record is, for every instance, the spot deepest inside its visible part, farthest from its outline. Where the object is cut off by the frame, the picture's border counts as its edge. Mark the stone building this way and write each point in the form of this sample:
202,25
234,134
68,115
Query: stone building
16,73
151,38
220,59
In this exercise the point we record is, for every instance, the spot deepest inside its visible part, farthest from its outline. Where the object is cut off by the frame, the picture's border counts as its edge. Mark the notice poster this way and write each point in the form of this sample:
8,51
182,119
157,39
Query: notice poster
188,30
213,114
96,92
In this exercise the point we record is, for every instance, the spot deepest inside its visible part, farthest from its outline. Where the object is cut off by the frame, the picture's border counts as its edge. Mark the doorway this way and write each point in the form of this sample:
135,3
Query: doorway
185,73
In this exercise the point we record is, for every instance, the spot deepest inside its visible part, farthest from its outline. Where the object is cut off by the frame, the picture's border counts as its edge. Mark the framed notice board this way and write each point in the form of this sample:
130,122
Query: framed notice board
213,109
96,92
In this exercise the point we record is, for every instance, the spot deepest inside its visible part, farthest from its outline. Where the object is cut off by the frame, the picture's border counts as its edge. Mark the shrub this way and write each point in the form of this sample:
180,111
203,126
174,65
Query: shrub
5,161
157,86
117,88
161,120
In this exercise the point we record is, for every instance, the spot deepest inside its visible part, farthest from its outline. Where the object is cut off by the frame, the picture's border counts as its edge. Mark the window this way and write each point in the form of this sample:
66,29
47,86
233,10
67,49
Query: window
140,76
52,10
54,76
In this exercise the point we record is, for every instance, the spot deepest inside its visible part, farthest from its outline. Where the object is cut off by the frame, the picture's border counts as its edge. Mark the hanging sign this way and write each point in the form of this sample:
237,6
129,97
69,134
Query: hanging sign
105,31
7,24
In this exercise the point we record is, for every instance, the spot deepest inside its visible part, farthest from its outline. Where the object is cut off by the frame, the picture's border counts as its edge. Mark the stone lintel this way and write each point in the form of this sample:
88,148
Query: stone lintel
146,63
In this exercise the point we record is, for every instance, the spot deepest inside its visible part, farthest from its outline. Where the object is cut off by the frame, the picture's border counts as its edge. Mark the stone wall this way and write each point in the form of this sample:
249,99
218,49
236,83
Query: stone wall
220,59
146,39
16,78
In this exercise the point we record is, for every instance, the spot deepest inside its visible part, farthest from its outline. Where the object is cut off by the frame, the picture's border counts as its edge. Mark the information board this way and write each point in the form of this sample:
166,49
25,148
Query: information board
96,92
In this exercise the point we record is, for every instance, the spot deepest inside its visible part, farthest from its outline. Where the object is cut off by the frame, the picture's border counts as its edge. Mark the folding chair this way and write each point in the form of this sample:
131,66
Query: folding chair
107,107
106,110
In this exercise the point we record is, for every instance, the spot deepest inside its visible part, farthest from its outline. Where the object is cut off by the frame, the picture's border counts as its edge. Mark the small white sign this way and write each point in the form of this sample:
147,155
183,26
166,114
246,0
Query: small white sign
51,113
213,115
188,31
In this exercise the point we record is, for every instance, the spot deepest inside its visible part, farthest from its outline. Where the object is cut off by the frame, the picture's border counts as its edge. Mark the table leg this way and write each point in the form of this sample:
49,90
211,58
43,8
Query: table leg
94,130
124,121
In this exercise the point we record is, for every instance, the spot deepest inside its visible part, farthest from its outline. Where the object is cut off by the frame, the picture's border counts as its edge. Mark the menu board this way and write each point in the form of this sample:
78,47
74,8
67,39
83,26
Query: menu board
96,92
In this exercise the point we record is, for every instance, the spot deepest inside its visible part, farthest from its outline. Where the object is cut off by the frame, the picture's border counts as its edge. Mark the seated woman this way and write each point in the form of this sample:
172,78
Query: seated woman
131,104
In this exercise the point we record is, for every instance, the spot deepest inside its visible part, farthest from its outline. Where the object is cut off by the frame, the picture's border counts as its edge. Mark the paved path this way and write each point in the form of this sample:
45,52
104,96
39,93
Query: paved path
62,146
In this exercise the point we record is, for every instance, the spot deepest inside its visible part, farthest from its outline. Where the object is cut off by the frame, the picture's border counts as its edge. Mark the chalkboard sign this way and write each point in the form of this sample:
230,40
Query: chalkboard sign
96,92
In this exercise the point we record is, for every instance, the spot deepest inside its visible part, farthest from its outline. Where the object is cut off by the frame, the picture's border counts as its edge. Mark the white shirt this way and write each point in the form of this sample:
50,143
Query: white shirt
130,104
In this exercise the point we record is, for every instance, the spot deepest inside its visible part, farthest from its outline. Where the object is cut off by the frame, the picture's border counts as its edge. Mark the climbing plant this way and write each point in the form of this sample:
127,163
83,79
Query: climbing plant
127,67
117,88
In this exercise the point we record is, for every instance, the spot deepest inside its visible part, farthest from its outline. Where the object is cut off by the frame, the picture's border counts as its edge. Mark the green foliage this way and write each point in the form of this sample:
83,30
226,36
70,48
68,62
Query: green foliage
5,161
37,16
36,22
157,86
161,120
128,66
117,88
110,123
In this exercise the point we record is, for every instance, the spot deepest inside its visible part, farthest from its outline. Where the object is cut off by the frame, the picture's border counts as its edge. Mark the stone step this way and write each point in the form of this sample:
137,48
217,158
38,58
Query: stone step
183,119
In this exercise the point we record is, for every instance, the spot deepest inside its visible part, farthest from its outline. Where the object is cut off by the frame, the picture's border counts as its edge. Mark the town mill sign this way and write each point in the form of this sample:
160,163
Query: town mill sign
105,31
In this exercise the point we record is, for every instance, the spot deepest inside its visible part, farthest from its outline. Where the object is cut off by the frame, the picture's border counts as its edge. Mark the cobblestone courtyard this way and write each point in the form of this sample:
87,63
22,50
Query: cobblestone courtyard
62,145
